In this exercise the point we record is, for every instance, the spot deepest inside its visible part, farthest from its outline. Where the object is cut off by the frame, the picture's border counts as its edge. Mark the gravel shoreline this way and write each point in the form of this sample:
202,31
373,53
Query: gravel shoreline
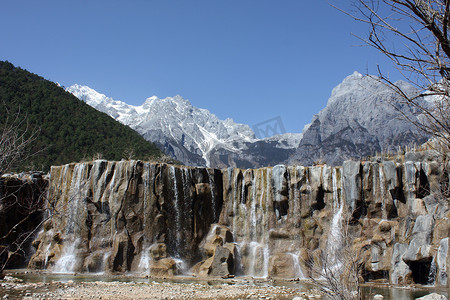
39,285
13,288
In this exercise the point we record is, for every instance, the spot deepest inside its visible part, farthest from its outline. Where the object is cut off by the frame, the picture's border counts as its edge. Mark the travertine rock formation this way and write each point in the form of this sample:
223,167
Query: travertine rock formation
220,252
109,214
117,216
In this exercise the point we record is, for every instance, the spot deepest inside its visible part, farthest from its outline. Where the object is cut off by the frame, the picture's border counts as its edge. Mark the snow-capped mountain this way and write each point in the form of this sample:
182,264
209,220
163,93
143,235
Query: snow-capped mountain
193,135
363,116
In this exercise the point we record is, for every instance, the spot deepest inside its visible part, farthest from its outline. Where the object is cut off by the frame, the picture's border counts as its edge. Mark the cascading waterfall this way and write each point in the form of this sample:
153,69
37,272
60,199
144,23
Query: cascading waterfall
382,190
112,213
186,177
298,273
265,227
297,270
68,260
176,206
252,234
433,272
146,244
252,228
257,225
296,193
335,235
77,193
252,194
235,199
47,251
308,184
104,169
213,198
105,258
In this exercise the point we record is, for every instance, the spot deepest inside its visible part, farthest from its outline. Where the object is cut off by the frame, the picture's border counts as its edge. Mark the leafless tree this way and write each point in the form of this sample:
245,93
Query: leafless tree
414,35
335,269
21,200
16,135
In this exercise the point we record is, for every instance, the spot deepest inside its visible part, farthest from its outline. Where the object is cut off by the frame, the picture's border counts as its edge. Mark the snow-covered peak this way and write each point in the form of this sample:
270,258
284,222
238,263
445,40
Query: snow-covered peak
151,99
85,93
196,129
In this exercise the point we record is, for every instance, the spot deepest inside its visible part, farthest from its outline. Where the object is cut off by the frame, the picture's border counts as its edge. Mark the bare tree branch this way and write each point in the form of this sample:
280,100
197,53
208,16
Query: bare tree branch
414,35
22,202
16,135
336,269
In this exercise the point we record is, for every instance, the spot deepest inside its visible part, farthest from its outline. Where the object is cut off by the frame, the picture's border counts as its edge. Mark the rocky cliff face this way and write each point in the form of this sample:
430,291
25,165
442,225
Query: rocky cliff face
363,117
110,214
270,222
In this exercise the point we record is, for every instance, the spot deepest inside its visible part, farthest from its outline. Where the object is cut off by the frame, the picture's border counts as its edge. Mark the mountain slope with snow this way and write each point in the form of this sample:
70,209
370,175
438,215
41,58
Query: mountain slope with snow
192,135
362,117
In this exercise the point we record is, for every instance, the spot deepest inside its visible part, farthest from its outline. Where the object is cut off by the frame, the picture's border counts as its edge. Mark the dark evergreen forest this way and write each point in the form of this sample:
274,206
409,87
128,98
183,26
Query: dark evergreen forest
68,130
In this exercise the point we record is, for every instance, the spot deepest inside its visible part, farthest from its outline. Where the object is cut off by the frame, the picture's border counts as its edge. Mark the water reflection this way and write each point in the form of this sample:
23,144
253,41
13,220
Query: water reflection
393,293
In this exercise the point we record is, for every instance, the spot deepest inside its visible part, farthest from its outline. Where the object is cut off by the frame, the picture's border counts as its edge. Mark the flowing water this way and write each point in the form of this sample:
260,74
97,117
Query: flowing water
146,244
68,260
297,270
382,189
250,211
176,206
335,235
77,194
213,197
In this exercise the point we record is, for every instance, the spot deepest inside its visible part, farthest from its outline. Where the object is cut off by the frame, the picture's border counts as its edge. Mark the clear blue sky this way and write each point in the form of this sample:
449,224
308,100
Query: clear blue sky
248,60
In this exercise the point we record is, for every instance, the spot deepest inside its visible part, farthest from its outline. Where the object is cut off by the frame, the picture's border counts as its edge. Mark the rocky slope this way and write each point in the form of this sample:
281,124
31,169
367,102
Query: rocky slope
192,135
164,220
363,117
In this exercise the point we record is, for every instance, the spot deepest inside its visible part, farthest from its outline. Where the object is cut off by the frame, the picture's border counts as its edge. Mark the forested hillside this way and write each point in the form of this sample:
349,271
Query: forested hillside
69,129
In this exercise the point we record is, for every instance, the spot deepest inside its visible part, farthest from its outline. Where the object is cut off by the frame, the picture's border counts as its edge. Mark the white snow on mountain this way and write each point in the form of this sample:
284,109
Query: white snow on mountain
196,129
286,140
358,120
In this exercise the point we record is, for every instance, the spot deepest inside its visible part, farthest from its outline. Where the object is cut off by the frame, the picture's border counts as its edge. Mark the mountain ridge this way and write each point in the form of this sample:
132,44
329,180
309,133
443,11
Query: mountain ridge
371,110
188,133
361,118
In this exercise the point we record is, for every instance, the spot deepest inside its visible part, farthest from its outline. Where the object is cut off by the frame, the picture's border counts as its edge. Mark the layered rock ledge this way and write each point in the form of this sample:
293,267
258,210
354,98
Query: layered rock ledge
133,216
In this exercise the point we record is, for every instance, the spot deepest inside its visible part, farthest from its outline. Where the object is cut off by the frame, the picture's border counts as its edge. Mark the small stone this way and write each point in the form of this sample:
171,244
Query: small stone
433,296
378,297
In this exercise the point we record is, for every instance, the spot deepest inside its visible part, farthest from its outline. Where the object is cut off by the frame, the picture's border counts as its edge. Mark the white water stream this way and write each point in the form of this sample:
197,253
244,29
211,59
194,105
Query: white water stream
213,198
176,206
335,235
68,260
257,225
